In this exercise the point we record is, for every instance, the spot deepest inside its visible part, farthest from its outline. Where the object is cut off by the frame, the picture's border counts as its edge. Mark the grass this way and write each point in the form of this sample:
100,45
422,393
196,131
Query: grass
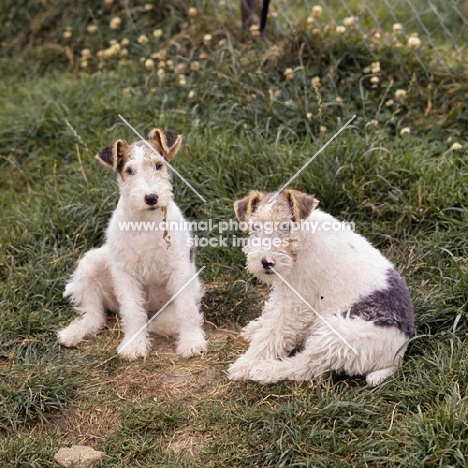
245,125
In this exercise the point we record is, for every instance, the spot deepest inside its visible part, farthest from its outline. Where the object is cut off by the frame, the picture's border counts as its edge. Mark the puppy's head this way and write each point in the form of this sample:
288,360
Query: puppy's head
142,168
271,221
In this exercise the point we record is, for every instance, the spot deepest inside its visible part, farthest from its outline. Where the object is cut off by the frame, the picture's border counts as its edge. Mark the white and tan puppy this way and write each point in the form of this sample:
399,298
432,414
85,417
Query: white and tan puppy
141,266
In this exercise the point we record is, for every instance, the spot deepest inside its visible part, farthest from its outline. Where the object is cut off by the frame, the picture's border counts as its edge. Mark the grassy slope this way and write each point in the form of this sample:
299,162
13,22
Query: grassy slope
408,196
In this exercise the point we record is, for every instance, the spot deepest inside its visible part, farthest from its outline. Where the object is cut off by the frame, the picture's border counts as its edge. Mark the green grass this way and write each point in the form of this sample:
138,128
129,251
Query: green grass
245,126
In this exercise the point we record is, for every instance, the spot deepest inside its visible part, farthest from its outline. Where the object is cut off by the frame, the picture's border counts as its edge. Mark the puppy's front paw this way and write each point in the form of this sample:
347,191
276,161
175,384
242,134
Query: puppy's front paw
133,349
191,347
70,336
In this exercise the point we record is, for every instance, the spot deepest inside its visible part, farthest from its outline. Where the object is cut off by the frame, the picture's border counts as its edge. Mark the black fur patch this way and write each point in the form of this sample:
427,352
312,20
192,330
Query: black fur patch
106,156
171,139
390,307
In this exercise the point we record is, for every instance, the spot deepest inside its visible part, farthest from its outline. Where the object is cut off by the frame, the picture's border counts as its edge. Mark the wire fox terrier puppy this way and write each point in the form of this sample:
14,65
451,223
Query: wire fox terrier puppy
139,270
336,304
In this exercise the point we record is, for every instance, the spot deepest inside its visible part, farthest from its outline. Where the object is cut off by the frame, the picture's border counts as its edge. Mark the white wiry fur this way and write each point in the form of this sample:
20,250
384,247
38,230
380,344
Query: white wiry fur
332,271
137,272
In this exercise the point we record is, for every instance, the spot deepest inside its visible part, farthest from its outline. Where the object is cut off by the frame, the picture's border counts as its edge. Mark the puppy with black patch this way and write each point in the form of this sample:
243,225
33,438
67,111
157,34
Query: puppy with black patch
336,303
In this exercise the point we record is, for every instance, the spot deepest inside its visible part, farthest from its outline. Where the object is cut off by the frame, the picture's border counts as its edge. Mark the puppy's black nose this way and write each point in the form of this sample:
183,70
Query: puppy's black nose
268,262
151,199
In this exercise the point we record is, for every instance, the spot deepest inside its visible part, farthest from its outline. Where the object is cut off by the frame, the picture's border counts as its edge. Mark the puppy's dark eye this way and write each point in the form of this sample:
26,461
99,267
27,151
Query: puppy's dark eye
158,166
130,171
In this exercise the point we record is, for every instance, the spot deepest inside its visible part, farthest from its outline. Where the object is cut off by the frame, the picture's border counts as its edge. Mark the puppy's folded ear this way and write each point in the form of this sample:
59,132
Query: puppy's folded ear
301,204
165,143
246,206
113,155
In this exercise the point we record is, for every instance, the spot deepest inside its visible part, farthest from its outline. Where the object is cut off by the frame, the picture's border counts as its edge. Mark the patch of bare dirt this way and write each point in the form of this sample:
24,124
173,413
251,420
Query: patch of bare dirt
162,375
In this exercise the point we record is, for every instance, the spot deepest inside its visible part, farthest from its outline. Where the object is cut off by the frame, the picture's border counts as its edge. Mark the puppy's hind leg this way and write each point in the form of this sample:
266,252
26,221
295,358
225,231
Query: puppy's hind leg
90,291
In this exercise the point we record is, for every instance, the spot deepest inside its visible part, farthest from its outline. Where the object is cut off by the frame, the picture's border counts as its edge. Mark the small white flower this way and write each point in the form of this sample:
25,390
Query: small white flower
92,28
397,28
109,53
124,42
115,22
207,38
390,103
375,67
194,66
316,82
414,42
373,123
316,11
148,6
340,29
289,73
157,33
86,54
400,95
309,115
456,146
67,34
161,55
350,20
149,64
339,100
404,131
193,12
191,94
142,39
323,129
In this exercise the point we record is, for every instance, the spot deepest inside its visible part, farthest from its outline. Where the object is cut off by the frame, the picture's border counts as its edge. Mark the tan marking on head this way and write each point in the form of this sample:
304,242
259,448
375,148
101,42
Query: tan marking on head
165,143
301,204
114,156
246,206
